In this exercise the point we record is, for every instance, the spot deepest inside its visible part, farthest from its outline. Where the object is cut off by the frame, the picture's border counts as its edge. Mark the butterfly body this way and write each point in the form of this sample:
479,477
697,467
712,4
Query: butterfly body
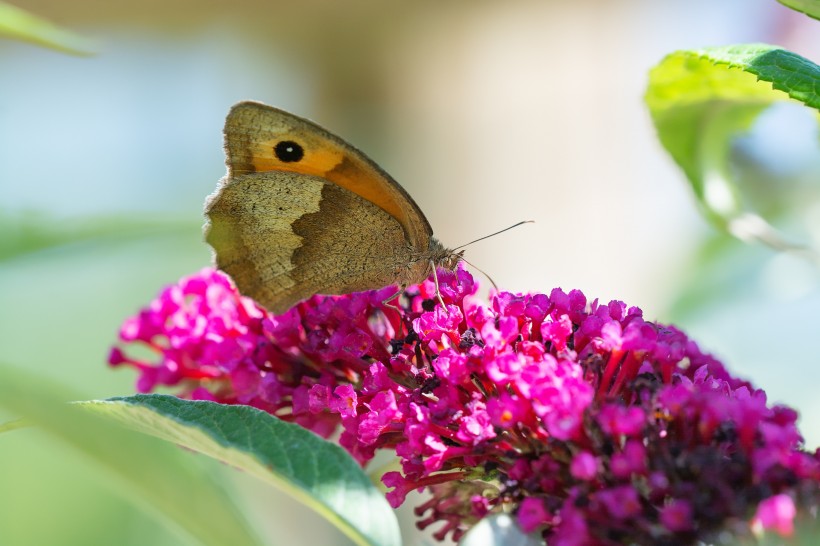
302,212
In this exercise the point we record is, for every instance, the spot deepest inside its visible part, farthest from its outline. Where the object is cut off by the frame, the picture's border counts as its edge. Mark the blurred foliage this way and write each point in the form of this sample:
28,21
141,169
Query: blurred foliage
27,233
19,24
701,100
809,7
148,472
65,285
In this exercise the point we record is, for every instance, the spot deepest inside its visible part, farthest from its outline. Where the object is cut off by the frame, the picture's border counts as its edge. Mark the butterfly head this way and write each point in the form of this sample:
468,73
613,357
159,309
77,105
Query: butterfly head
449,259
442,257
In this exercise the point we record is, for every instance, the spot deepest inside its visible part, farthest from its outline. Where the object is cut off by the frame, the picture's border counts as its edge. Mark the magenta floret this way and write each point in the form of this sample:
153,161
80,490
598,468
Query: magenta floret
594,425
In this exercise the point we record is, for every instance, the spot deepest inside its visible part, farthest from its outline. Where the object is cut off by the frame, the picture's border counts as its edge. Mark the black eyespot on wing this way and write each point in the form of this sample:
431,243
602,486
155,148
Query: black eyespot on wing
288,151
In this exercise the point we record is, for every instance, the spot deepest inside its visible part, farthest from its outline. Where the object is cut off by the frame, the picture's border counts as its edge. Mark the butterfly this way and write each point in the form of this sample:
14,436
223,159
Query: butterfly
302,212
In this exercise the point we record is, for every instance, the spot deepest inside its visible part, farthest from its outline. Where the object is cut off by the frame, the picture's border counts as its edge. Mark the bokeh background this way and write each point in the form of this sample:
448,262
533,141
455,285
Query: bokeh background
487,112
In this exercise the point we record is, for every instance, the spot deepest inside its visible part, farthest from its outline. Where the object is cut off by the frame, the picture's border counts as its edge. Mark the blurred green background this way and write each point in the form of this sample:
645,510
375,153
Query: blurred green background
487,112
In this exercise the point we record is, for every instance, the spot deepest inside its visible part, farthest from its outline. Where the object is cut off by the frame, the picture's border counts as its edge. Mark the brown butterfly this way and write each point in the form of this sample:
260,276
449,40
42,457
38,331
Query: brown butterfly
302,212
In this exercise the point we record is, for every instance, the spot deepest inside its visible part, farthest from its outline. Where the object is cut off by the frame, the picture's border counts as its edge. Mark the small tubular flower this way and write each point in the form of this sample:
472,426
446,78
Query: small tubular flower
592,424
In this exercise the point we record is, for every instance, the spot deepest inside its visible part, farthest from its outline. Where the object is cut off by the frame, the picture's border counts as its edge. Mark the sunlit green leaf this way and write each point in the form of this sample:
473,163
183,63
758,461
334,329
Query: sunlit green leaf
149,471
809,7
19,24
317,472
699,100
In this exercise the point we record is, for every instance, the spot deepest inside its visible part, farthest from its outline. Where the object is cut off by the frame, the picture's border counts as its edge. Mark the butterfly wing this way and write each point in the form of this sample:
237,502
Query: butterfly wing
260,138
284,236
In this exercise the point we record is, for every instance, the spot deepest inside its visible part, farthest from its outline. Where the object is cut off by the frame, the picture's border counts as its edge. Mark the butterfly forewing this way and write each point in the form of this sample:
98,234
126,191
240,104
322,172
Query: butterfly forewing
283,237
254,134
302,212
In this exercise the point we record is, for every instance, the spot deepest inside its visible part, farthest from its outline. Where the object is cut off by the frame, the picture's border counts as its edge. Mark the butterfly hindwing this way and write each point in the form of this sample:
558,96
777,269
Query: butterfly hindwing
284,236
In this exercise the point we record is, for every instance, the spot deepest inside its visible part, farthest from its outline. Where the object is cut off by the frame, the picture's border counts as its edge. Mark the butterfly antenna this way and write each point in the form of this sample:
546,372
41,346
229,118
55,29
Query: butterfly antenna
492,282
493,235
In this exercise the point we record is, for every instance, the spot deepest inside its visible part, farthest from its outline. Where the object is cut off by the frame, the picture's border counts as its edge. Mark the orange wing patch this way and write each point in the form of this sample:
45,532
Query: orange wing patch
326,159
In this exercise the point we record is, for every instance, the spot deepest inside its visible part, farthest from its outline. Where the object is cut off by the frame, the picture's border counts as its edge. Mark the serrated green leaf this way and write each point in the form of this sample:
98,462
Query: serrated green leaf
21,25
151,472
699,100
317,472
809,7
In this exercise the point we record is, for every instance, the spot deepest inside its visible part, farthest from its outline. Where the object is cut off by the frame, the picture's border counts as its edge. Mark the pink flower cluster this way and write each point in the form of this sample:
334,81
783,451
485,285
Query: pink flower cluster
596,426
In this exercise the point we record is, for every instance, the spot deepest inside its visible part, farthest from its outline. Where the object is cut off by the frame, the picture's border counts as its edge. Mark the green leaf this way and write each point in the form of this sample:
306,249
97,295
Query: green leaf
316,472
809,7
159,476
21,25
699,100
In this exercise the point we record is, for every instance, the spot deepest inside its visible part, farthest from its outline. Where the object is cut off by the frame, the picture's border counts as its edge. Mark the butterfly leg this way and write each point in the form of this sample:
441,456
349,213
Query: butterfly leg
387,303
435,280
